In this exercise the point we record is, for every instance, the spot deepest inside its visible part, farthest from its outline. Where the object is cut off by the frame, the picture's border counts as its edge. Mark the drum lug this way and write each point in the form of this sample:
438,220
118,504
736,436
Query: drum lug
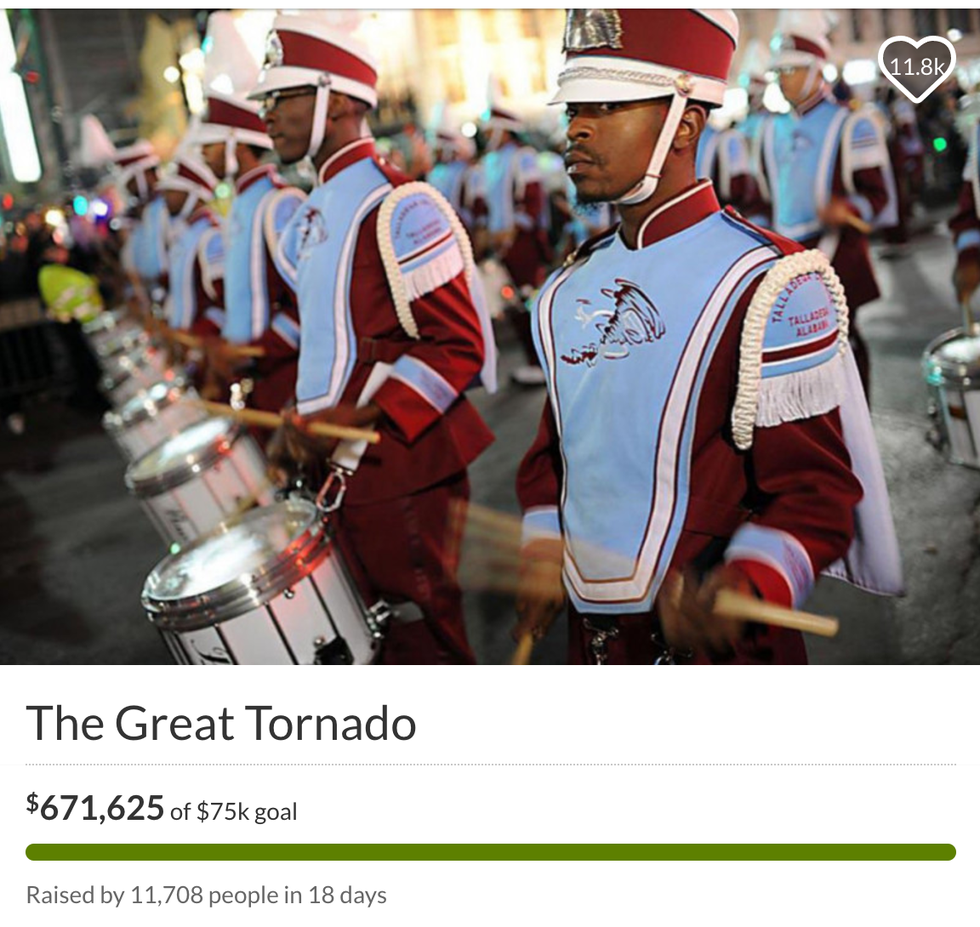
377,617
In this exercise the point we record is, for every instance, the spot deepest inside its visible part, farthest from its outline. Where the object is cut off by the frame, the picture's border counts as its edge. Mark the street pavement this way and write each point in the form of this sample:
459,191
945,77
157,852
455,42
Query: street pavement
75,548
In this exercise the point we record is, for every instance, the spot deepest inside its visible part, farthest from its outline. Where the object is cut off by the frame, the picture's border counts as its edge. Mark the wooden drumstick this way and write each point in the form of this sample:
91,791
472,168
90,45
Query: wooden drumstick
856,222
738,607
970,326
271,421
185,338
522,653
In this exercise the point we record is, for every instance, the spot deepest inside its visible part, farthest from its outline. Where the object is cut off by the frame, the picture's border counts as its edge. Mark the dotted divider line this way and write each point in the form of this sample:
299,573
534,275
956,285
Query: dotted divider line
514,764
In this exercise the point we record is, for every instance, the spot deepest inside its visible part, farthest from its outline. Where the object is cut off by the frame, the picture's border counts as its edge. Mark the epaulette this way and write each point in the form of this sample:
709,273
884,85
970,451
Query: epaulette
793,334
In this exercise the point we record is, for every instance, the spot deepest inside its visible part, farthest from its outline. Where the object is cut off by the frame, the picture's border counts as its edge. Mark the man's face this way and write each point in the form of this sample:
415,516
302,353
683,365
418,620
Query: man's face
214,157
175,200
610,146
289,122
794,84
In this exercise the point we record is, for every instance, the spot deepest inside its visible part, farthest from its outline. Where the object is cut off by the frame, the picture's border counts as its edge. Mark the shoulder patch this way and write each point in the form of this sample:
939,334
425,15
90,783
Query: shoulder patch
793,334
211,257
279,206
423,246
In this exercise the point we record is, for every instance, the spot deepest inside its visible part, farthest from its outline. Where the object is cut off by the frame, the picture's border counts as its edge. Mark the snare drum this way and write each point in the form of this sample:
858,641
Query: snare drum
951,365
150,417
268,587
109,326
130,373
191,483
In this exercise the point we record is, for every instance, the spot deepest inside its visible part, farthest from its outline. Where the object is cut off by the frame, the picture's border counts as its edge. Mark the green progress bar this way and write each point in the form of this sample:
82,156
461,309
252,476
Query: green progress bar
499,852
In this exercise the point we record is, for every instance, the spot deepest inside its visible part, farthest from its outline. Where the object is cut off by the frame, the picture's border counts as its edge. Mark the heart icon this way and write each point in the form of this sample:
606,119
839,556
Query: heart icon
917,68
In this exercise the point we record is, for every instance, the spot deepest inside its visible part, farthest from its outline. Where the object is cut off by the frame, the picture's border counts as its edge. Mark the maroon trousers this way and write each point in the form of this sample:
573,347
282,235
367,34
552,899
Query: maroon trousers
408,550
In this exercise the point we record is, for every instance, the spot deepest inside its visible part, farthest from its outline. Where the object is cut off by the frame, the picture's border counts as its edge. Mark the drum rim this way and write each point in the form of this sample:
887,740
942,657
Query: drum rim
176,389
954,373
236,597
161,482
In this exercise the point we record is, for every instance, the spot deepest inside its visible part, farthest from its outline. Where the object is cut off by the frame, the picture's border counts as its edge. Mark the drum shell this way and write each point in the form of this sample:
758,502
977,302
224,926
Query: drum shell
199,501
954,392
136,439
289,628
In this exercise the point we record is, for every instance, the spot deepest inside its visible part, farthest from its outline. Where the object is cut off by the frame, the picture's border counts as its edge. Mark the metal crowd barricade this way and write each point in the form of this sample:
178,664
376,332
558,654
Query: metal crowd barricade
27,359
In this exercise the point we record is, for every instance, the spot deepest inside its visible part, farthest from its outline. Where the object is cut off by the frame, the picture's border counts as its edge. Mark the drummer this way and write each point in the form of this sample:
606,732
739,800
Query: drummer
194,303
380,274
260,335
145,253
965,225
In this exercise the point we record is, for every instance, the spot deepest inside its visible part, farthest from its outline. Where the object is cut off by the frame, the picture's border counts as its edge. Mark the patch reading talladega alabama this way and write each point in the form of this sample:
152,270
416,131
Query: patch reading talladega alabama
632,320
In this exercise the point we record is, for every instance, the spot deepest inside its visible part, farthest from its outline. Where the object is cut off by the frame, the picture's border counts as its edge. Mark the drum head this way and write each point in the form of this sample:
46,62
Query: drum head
954,358
182,457
244,563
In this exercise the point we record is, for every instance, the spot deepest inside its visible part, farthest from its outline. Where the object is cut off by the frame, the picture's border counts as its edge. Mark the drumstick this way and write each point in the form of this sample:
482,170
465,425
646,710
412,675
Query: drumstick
185,338
856,222
522,653
270,420
738,607
969,325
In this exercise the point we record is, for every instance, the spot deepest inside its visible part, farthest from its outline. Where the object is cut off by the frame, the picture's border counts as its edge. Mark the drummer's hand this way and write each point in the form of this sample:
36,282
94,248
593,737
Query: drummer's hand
836,213
685,608
966,278
540,593
280,463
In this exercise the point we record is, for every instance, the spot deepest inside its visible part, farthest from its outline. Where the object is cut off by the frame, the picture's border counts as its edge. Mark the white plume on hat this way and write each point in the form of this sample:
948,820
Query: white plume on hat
95,149
229,67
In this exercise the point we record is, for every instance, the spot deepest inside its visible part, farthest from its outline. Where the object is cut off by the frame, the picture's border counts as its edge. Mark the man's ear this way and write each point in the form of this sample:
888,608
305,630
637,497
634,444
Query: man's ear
339,105
693,121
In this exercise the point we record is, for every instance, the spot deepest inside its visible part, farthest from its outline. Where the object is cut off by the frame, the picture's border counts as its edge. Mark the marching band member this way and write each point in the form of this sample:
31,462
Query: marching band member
381,269
145,254
260,334
723,157
515,208
827,167
194,301
752,78
452,174
965,225
704,412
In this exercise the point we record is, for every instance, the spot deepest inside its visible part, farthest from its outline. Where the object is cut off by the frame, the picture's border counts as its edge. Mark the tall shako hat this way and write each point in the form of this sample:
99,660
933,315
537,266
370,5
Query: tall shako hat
627,55
801,39
497,115
132,162
306,52
229,72
189,174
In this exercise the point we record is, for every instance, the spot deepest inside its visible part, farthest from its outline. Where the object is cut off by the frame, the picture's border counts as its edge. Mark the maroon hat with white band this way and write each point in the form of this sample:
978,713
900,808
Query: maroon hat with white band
231,118
801,39
306,52
132,162
300,50
615,56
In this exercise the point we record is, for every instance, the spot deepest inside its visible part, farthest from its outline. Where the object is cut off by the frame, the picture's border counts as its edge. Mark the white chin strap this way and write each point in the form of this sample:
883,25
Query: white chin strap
813,73
648,185
231,161
319,128
190,204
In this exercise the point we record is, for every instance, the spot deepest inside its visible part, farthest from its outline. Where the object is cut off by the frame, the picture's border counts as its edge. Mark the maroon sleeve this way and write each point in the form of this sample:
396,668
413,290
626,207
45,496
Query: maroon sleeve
447,357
